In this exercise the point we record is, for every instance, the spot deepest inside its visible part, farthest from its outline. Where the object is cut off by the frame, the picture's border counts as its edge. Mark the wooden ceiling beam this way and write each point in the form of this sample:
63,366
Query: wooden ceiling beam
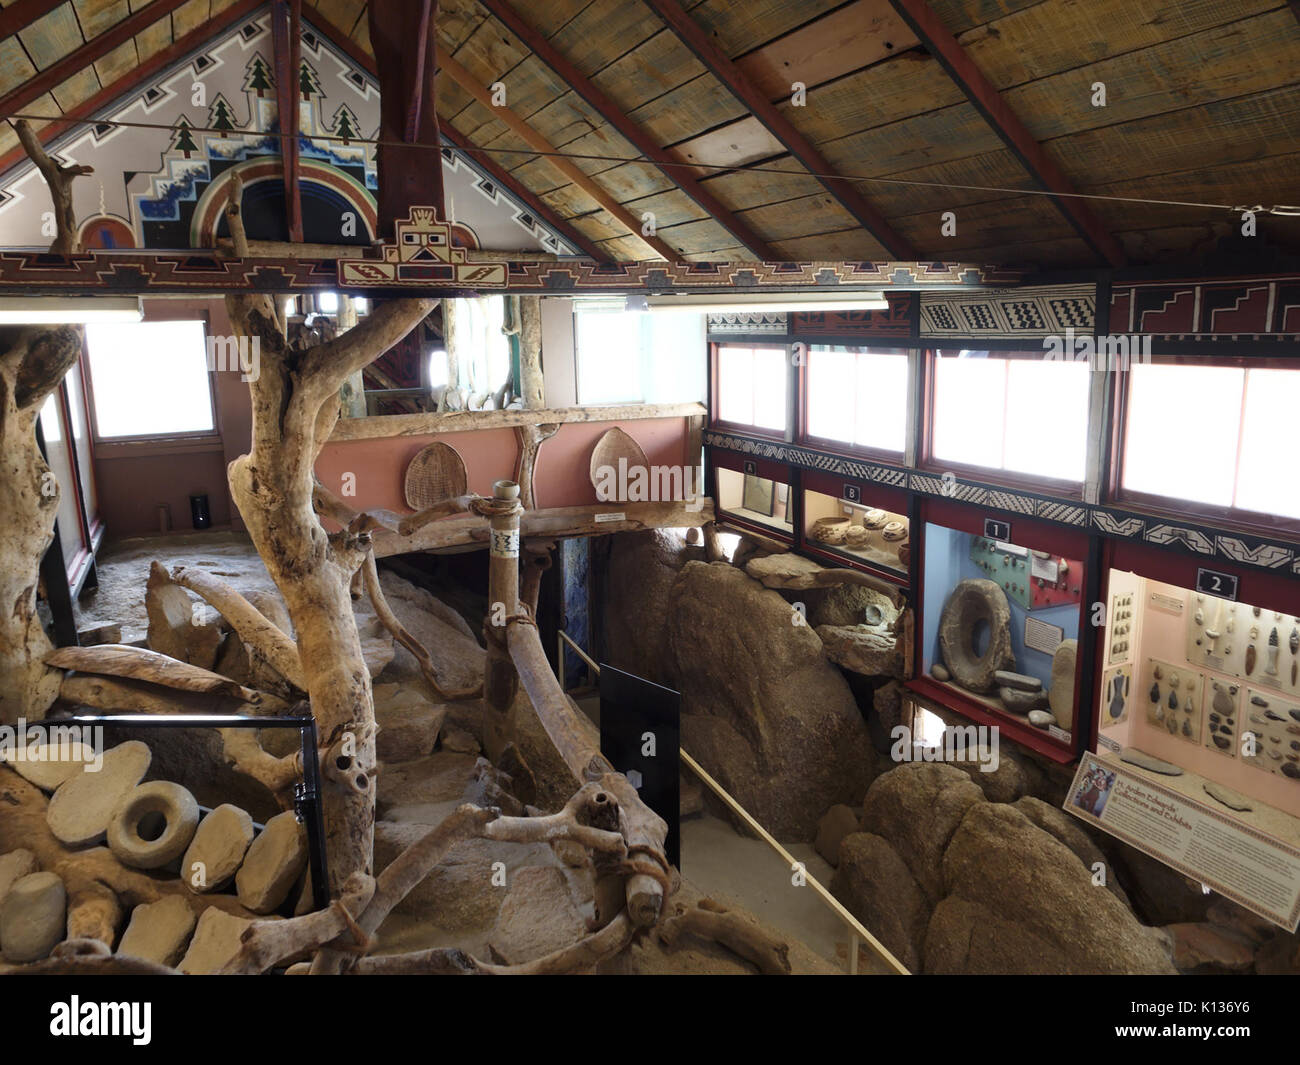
567,167
84,57
483,161
691,34
20,15
112,92
981,92
628,129
286,47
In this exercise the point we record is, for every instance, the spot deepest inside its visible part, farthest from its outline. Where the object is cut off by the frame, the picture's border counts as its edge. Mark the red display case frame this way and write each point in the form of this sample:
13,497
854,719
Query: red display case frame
894,500
766,468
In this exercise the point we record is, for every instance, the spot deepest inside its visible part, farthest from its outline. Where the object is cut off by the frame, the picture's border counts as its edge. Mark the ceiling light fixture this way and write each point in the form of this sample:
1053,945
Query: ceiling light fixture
60,310
773,303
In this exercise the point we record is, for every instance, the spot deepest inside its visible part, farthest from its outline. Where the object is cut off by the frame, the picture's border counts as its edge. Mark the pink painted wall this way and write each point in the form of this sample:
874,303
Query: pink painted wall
563,474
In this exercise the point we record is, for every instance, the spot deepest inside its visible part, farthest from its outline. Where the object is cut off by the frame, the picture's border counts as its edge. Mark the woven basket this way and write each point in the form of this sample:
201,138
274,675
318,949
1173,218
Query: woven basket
435,474
611,447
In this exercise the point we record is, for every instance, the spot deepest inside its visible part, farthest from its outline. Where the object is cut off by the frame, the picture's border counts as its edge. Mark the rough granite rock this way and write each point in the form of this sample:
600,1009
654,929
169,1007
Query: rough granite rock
1205,948
538,915
641,570
1070,831
80,810
876,887
839,821
917,808
976,674
1001,862
789,571
1015,775
887,701
159,931
763,710
446,635
274,861
848,604
862,649
1061,691
217,849
458,741
13,867
215,942
408,722
176,627
1159,895
33,918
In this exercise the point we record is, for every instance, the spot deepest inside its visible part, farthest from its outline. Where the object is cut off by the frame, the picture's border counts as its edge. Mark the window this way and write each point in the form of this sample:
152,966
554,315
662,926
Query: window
637,357
149,379
1022,415
1218,435
858,397
752,384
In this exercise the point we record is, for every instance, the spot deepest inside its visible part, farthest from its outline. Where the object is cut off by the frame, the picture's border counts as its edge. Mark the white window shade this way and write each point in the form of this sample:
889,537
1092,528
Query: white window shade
631,357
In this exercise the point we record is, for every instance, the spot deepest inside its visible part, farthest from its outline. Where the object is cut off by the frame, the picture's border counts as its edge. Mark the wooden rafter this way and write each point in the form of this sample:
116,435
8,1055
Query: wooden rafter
574,173
981,92
502,177
630,130
691,34
20,15
174,52
286,46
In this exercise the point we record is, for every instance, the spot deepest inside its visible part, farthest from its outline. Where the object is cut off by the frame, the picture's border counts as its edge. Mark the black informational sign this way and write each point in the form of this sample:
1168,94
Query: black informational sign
1212,582
640,734
997,530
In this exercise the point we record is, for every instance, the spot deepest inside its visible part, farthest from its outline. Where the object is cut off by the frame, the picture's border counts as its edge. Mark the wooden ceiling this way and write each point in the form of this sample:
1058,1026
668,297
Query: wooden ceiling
1202,104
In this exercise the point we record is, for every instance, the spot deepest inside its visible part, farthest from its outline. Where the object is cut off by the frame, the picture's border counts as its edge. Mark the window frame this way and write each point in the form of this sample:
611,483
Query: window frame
792,383
1056,486
842,447
1232,518
199,435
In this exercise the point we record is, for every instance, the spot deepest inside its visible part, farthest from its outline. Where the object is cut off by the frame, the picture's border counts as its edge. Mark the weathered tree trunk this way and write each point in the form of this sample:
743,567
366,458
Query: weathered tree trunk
32,363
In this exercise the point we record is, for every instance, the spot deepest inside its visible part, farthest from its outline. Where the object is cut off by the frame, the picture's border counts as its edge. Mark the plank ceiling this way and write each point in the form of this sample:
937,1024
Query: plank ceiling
1202,103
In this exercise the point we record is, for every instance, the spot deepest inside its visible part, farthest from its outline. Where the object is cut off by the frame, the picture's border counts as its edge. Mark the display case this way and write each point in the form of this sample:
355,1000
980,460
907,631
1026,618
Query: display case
754,493
1002,614
855,522
1207,683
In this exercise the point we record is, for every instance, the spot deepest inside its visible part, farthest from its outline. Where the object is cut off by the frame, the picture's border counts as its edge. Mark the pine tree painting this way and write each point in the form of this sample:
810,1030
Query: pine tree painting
308,82
345,124
184,142
221,117
259,77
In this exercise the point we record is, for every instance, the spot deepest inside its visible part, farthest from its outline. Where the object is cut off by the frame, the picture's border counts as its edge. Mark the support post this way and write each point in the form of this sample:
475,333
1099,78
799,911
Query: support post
500,681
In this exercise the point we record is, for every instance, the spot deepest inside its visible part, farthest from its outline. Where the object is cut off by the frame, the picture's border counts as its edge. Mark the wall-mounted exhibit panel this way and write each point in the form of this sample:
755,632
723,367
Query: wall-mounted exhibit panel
858,523
1002,610
754,493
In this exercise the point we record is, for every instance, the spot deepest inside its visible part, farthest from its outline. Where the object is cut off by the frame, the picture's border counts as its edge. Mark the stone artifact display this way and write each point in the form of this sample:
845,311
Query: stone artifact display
972,604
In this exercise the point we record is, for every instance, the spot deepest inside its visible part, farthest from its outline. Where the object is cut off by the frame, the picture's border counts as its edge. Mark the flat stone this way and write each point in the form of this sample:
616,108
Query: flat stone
1227,796
274,861
48,765
862,649
217,849
1147,761
537,916
1060,693
840,821
940,672
215,942
1019,681
34,918
458,741
1019,701
788,571
408,726
13,867
1041,719
79,813
159,931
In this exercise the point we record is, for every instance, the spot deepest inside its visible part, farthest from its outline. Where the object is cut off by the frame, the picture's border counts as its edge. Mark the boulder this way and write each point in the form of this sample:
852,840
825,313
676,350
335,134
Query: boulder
1070,831
1159,894
763,711
176,627
1013,774
887,701
971,602
216,942
274,861
1061,691
13,867
537,916
33,918
408,723
1202,948
917,808
447,637
80,811
862,649
876,887
641,569
789,571
458,741
850,604
1002,863
839,821
159,931
217,849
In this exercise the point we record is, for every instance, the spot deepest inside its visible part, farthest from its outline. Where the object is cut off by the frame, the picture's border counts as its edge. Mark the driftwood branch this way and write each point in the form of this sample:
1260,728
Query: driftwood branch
139,663
59,179
741,937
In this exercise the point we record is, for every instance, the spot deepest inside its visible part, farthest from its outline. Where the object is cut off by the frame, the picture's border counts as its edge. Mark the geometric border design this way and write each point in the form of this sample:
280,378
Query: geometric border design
1034,311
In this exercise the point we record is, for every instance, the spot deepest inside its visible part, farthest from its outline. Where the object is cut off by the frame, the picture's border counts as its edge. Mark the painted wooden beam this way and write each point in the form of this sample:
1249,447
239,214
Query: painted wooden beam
404,40
633,133
20,15
286,46
85,56
120,87
366,62
941,44
574,173
691,34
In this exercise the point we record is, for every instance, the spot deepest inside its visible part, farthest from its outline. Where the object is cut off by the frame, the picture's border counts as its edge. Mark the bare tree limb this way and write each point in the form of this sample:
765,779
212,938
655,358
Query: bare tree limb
59,179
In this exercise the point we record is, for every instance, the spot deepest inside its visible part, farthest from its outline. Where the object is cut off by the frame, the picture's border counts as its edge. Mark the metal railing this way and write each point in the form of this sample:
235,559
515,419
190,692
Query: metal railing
857,931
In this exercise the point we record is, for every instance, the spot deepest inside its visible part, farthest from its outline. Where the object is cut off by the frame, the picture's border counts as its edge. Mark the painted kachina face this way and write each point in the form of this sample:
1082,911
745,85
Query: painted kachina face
214,116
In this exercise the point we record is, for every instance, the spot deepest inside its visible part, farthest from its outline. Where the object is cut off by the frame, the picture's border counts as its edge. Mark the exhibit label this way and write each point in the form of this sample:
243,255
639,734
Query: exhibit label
1249,867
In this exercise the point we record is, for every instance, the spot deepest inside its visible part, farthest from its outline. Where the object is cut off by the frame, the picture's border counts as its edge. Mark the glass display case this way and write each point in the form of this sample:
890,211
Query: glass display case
856,522
1207,683
1002,605
755,493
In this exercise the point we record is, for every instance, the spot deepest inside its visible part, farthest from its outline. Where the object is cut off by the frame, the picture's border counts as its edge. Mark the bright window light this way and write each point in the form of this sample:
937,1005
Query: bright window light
1020,415
149,379
629,357
858,397
752,386
327,302
439,368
